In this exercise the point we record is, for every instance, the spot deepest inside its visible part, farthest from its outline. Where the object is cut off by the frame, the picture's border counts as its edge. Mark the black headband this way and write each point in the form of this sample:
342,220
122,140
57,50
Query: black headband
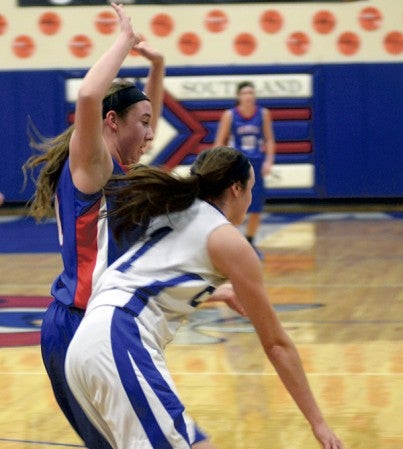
122,99
239,170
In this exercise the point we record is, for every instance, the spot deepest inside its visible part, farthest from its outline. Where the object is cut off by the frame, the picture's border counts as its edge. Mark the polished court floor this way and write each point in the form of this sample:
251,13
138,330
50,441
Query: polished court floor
336,279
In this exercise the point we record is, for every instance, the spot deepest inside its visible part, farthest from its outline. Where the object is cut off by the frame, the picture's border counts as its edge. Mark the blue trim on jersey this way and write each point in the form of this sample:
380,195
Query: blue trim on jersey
142,294
155,237
127,346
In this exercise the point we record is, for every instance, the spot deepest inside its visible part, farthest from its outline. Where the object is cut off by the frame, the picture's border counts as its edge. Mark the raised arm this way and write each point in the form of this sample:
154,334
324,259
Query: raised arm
155,80
233,256
90,160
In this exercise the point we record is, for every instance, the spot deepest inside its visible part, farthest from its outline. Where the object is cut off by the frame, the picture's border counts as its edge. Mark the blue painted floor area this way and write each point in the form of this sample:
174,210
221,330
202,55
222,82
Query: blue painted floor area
20,234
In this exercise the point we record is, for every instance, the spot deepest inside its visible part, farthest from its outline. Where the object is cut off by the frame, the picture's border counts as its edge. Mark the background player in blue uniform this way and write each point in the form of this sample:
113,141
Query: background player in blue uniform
115,364
248,128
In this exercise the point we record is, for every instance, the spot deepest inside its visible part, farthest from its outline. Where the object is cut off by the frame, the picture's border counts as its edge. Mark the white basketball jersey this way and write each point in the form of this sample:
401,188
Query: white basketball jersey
166,274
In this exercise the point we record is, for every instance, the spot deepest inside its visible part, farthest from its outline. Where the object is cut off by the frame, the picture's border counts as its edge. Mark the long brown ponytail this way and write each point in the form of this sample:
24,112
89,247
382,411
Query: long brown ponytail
53,152
146,192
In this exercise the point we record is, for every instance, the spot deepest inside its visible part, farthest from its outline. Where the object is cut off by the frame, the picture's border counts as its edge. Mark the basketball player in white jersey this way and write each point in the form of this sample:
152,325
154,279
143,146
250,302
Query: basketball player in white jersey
115,364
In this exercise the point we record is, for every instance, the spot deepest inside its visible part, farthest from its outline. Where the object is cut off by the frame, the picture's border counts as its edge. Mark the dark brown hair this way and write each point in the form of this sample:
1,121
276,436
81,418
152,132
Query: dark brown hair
243,84
146,192
53,153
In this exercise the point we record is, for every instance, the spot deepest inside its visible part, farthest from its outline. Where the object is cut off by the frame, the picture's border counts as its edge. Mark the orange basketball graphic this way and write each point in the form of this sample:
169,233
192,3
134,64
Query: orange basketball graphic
348,43
271,21
245,44
393,42
80,45
162,25
49,23
324,22
23,46
370,18
3,24
216,21
106,22
298,43
189,43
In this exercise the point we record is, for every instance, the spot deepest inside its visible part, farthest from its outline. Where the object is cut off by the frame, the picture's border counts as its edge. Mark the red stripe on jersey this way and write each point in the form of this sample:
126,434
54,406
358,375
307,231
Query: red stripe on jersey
87,248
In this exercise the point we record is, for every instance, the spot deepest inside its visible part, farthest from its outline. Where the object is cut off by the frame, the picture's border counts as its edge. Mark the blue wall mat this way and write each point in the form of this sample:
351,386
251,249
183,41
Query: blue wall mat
356,126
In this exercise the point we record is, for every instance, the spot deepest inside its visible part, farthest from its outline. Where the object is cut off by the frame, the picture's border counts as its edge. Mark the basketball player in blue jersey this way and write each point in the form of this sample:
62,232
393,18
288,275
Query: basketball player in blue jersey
115,364
114,124
248,128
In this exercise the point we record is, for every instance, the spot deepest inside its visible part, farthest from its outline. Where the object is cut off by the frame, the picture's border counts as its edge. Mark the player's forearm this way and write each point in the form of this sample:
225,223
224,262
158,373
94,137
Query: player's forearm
155,87
287,363
270,150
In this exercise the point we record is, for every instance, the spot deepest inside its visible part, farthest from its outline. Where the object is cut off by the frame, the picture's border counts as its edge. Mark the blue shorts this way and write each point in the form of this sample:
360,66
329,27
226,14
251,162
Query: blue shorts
58,327
258,191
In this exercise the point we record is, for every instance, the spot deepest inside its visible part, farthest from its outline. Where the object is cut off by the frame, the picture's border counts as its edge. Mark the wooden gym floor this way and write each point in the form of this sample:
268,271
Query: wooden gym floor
336,279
